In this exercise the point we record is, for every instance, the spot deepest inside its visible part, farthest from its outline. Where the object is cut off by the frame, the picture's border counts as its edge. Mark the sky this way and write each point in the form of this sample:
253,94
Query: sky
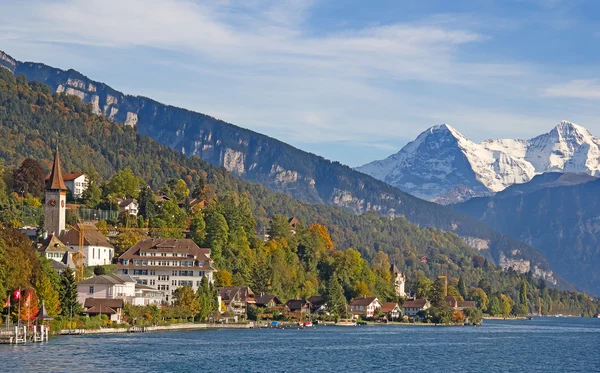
350,80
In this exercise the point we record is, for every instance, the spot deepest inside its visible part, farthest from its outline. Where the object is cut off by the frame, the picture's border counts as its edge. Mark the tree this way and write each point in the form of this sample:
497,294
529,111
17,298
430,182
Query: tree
29,178
458,317
48,295
507,305
147,203
217,232
68,294
279,228
462,287
478,295
29,306
523,301
186,301
92,195
424,287
223,278
334,297
198,228
206,299
495,308
124,184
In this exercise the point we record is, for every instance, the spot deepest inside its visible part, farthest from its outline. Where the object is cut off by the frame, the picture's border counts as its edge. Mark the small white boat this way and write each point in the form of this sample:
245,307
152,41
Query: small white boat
346,322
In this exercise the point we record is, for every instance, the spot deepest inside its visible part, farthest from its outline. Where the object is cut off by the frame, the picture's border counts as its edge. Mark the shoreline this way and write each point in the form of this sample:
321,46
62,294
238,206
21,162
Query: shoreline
151,329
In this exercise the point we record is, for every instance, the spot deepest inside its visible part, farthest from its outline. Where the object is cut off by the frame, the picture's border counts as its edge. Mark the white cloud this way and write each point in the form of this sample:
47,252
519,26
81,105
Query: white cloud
587,89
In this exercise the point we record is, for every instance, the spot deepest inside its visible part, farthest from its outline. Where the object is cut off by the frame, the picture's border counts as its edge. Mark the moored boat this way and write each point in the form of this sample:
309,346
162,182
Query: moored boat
308,324
346,322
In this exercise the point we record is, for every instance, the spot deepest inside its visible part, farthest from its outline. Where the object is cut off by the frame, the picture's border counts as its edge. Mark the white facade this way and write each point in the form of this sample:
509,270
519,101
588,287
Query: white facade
105,291
76,184
167,264
96,255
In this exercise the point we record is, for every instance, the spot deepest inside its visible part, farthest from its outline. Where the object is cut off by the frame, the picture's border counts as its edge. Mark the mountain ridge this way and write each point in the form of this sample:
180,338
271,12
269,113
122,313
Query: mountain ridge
441,158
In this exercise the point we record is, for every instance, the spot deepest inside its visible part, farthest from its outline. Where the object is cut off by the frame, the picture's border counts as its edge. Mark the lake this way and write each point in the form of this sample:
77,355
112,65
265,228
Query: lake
539,345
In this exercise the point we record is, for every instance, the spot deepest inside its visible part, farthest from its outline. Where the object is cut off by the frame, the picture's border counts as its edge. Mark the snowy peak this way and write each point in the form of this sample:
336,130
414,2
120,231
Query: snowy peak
442,162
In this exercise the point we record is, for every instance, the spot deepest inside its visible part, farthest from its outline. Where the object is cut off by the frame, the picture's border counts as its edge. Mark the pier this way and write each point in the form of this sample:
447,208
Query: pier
22,335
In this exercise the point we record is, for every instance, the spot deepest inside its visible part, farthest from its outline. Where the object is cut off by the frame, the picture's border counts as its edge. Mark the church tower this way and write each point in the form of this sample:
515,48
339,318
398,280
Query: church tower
399,280
56,200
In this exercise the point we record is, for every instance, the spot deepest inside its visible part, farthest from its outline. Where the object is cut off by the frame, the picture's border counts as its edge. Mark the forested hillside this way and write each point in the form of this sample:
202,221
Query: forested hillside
558,214
252,156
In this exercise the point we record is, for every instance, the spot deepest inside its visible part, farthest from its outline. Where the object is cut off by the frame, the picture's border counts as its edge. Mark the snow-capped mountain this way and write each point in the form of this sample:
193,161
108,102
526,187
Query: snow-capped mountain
443,165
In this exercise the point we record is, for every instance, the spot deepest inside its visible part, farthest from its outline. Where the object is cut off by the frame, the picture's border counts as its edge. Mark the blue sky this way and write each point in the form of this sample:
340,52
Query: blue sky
351,80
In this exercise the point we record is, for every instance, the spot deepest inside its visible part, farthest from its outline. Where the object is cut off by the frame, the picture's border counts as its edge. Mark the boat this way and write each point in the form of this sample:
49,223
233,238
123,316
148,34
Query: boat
346,322
308,324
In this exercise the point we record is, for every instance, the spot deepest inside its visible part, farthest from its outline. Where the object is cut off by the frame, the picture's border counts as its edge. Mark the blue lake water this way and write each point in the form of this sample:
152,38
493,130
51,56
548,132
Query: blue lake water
540,345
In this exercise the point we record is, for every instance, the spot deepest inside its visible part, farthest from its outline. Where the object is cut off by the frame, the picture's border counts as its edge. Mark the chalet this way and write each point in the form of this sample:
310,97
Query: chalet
294,224
268,301
364,306
128,205
113,308
413,307
236,299
318,304
96,248
391,310
298,305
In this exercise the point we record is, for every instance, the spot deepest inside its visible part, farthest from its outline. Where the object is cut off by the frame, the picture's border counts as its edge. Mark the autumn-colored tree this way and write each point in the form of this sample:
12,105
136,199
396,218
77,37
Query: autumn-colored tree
381,265
322,233
29,306
29,178
48,295
223,278
458,317
125,240
506,304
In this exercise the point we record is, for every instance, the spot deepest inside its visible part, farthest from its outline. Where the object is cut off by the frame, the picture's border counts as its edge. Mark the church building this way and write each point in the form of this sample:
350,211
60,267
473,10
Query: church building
56,200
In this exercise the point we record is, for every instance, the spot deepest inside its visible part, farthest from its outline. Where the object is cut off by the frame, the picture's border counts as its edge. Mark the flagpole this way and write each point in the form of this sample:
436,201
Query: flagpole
19,312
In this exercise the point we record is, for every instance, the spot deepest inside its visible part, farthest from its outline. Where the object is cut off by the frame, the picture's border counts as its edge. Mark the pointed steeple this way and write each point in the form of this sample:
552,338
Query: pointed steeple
56,181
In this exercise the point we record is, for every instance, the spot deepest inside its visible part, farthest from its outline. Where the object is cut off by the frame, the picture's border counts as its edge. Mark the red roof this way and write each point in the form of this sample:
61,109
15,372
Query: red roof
418,303
67,177
388,307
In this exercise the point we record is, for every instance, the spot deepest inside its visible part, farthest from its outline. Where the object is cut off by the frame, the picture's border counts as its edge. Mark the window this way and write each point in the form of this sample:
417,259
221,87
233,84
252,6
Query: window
91,290
125,271
152,282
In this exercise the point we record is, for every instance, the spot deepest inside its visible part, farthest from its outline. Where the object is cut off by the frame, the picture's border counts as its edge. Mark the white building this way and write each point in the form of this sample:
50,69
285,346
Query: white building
399,280
166,264
129,205
77,184
413,307
364,306
117,287
96,248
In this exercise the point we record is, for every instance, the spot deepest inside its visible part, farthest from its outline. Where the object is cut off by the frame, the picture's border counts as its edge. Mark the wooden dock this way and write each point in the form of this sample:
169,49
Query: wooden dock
21,335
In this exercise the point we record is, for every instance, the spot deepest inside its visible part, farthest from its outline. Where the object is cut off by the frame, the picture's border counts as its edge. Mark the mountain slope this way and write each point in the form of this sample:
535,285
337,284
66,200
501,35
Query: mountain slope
444,166
558,215
278,166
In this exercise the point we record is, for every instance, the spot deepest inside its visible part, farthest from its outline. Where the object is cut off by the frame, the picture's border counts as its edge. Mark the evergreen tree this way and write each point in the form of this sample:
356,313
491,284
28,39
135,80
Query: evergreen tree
523,301
334,297
462,287
68,294
217,232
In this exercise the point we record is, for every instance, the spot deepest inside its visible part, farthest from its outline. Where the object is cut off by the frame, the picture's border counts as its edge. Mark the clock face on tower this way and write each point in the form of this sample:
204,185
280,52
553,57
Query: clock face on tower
52,203
62,203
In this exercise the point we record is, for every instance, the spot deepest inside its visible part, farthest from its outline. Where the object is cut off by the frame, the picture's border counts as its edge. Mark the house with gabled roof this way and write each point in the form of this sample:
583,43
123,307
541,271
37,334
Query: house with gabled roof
236,299
413,307
391,310
113,308
268,301
96,248
364,306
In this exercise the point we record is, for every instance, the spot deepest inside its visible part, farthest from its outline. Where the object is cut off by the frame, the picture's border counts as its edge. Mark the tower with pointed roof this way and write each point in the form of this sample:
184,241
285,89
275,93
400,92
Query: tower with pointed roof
56,200
399,280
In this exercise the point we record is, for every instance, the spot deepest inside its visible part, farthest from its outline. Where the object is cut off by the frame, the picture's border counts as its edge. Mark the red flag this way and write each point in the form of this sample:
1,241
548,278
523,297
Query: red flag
17,294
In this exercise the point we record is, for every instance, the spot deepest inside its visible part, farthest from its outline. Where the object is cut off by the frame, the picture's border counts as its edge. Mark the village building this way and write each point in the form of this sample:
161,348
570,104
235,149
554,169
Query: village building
95,247
299,306
364,307
113,308
318,304
268,301
459,304
129,206
53,248
56,200
166,264
391,310
236,299
399,280
413,307
117,287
